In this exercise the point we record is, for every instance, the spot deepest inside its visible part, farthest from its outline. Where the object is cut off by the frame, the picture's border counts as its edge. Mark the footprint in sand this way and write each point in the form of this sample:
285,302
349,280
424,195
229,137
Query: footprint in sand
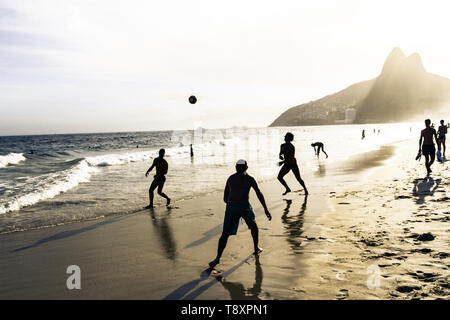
343,294
340,276
407,289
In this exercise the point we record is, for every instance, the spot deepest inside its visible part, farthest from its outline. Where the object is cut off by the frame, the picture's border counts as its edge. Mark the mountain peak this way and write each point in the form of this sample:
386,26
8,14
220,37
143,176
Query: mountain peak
394,59
413,63
400,93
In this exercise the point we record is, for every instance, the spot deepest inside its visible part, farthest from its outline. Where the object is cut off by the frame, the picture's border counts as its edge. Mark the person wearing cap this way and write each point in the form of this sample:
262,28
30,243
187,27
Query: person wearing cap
238,206
287,154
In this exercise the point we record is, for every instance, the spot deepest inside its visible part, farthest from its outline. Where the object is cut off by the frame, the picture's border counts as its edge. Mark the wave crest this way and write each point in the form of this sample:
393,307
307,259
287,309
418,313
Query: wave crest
50,185
11,158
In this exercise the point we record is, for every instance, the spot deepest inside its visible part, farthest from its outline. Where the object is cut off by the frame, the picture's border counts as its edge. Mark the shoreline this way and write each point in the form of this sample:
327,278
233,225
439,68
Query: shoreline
341,167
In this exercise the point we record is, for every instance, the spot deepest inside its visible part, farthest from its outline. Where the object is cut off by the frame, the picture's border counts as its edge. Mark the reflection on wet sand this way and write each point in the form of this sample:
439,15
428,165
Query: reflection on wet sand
294,225
425,187
321,169
239,292
168,244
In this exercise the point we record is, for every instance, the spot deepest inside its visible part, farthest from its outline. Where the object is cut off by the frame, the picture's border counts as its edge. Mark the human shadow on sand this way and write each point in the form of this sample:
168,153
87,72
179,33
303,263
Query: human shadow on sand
217,230
167,241
73,232
238,291
187,292
425,187
294,225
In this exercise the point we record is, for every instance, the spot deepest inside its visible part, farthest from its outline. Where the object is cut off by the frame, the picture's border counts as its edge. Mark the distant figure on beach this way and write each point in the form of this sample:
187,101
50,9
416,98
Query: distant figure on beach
442,131
287,154
363,134
378,131
235,196
319,146
161,166
427,148
192,151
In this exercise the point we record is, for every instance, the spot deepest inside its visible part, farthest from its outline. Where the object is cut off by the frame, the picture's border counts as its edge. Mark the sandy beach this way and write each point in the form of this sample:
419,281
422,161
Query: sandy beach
373,227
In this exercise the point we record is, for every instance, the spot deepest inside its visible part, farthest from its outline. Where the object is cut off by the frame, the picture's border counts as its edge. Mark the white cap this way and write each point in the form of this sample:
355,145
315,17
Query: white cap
241,161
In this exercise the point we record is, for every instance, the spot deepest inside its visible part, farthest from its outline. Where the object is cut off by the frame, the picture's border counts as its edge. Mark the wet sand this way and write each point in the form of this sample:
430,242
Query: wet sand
374,211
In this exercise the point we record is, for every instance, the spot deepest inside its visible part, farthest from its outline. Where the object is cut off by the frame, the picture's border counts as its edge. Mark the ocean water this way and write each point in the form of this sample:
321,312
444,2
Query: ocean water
46,180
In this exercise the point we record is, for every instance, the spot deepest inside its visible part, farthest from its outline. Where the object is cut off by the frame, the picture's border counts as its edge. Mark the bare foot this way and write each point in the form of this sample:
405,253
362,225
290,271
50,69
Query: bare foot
150,206
168,202
258,251
286,192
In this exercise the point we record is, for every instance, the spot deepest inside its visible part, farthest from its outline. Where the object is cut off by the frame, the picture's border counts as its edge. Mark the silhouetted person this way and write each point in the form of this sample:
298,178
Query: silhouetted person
192,151
287,154
235,196
161,166
319,146
427,148
442,131
363,134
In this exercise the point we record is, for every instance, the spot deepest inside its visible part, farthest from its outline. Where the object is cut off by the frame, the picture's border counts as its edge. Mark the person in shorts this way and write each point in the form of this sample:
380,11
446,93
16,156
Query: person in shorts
238,206
442,131
426,144
161,166
287,154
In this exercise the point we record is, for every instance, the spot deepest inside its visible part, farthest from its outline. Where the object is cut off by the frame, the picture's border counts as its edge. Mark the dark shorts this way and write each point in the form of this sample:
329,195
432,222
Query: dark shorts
160,178
158,181
233,213
428,149
290,166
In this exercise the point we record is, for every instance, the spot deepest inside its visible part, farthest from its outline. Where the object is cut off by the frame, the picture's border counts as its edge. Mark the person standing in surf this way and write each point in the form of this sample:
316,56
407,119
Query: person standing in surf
442,131
235,196
287,154
426,145
319,146
161,166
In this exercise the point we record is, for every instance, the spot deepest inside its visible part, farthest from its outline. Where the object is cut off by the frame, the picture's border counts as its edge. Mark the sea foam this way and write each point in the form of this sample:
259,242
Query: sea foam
49,185
12,158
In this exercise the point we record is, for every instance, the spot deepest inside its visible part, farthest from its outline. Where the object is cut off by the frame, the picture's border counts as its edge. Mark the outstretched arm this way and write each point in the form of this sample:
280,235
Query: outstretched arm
262,200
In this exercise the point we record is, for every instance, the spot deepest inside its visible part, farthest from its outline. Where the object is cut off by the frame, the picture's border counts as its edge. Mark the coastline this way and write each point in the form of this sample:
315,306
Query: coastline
165,255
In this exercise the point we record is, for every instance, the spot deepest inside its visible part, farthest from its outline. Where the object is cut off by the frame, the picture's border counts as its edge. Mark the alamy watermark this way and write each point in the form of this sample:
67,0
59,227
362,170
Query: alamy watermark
374,280
74,280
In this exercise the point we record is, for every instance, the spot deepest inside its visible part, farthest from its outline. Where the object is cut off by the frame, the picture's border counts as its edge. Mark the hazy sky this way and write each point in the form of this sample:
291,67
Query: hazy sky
95,66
